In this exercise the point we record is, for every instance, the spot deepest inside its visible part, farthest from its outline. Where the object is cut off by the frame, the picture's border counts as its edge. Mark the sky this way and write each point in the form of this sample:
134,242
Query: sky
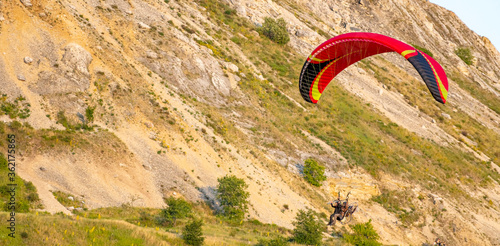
482,16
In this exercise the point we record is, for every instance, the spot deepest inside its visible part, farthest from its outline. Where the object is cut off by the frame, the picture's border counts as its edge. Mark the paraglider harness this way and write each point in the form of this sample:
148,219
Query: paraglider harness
342,209
438,242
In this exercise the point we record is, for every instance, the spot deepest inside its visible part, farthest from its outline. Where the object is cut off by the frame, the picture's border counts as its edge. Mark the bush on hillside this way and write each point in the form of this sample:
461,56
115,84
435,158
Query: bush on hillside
308,228
192,233
277,241
314,173
364,234
465,54
276,30
233,197
177,208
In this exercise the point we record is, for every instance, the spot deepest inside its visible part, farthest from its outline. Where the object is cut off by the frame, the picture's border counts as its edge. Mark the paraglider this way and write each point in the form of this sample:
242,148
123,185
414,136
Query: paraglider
343,211
336,54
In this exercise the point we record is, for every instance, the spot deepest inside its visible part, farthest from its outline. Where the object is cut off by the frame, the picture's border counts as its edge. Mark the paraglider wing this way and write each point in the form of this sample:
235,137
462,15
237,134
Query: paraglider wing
336,54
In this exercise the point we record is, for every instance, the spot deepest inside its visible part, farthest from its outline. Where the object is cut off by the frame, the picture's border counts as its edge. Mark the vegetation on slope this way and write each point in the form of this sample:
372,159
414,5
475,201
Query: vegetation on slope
233,196
314,173
465,54
361,134
364,234
127,225
341,120
25,194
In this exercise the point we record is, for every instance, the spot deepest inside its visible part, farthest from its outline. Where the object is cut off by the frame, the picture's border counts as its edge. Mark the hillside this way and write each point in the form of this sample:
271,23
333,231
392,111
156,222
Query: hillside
173,95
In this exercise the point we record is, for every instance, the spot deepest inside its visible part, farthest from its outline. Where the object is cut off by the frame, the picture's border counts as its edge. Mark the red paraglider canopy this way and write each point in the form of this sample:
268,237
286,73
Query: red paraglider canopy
334,55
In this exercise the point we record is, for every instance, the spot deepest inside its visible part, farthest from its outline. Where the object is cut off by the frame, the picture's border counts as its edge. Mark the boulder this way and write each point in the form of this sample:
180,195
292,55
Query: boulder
232,67
149,124
26,3
259,76
77,58
151,54
143,25
301,33
28,60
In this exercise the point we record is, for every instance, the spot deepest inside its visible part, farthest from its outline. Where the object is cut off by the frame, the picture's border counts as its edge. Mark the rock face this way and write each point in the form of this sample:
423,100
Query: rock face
77,58
26,3
71,76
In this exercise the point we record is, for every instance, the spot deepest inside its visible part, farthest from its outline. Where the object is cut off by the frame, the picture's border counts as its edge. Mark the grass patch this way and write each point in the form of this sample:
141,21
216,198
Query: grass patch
127,225
64,199
483,95
399,203
25,192
44,229
18,108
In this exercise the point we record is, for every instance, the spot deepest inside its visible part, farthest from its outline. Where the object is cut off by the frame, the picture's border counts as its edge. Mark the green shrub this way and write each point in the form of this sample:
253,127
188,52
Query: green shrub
465,54
275,30
61,119
426,51
364,235
177,208
314,173
277,241
89,113
233,197
192,233
308,228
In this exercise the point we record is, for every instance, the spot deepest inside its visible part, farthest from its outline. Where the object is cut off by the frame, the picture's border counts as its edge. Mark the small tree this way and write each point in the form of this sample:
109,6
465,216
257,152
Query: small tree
308,228
177,209
277,241
314,173
233,197
465,55
192,233
364,234
276,30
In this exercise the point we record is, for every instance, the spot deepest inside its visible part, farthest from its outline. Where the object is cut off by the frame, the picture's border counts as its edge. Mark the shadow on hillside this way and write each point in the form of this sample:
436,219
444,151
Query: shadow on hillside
300,168
209,195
